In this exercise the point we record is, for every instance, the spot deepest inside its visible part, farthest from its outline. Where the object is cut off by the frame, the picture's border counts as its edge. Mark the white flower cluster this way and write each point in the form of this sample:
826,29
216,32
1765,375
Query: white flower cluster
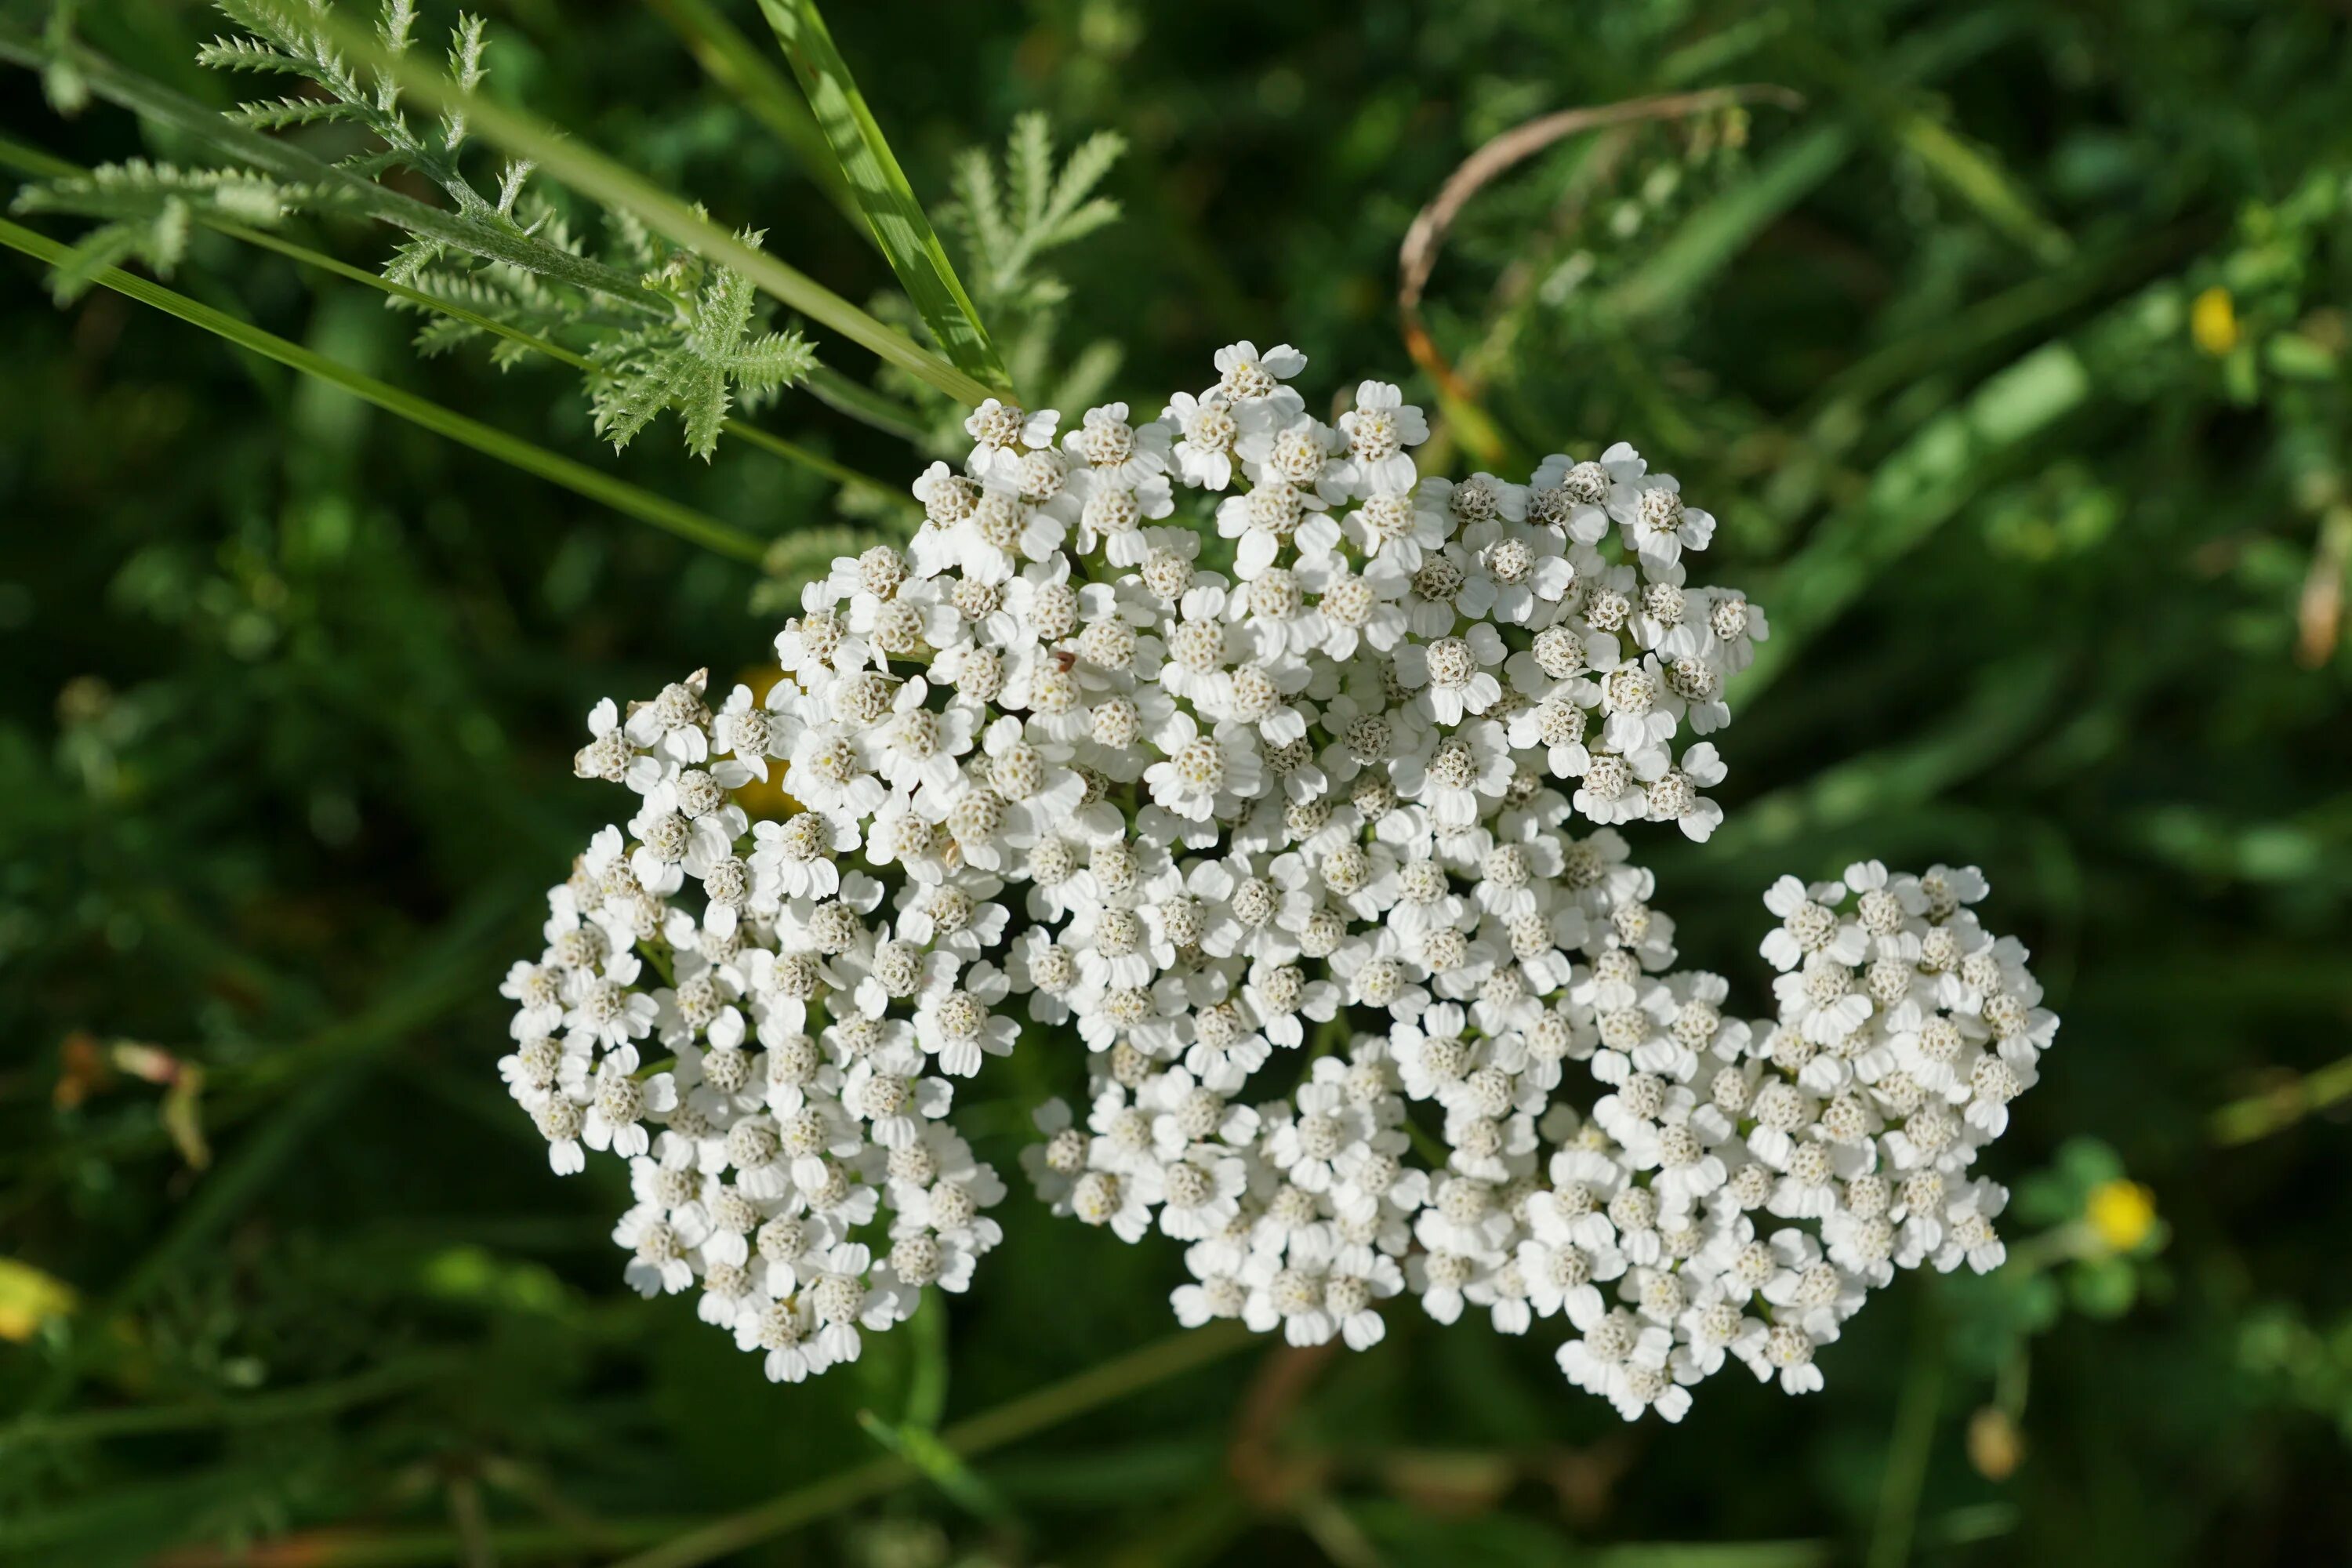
1331,790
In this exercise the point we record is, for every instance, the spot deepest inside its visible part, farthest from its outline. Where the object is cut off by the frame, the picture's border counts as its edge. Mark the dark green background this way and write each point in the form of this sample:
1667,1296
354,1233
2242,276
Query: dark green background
290,688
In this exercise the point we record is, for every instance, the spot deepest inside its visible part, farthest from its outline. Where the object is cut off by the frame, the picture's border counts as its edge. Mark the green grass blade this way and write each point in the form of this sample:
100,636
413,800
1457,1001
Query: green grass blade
1712,236
601,488
33,161
1922,485
1966,169
744,69
892,212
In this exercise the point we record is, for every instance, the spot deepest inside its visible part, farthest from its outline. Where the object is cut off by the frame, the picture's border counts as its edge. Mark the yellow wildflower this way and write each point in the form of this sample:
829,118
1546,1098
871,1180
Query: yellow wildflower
2122,1212
2213,322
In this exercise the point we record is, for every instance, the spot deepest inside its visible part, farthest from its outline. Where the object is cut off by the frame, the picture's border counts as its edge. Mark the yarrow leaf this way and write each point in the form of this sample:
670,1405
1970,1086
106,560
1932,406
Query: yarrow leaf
693,366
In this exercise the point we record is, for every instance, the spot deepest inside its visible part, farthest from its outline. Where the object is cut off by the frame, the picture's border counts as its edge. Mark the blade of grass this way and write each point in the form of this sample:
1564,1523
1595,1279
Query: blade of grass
892,212
1919,488
1968,171
1718,231
601,488
402,1548
1712,235
732,60
2274,1110
602,179
33,161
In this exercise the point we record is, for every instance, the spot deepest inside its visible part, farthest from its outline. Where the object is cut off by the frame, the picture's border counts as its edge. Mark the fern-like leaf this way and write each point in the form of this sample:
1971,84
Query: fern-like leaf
148,210
1010,222
696,368
780,359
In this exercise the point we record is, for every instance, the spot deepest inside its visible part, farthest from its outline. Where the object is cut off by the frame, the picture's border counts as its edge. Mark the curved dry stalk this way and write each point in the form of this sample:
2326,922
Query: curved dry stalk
1417,255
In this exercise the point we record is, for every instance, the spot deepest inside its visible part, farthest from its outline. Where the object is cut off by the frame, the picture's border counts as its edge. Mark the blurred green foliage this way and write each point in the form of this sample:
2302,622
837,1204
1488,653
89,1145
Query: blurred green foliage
2014,362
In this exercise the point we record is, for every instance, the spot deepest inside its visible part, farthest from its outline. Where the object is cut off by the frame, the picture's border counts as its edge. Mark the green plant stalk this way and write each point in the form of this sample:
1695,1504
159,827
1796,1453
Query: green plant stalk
2258,1115
604,488
893,214
416,1548
1966,171
34,161
1911,1445
1927,481
1018,1419
604,180
1706,243
863,403
248,1410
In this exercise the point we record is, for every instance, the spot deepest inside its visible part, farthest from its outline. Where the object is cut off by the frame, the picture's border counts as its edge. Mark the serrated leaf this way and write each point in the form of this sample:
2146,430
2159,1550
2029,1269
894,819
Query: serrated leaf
100,248
442,334
773,360
1079,223
702,402
693,368
975,186
1088,162
277,114
1033,209
246,55
1029,168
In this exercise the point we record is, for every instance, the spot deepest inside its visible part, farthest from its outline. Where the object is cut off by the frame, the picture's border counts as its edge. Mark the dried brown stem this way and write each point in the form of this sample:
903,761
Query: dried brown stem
1417,257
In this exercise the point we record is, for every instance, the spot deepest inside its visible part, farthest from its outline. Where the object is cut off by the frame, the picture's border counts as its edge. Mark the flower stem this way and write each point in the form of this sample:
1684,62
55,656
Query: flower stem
1010,1422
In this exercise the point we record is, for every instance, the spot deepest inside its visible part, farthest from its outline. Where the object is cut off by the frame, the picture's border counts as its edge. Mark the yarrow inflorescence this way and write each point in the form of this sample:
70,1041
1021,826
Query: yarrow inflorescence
1317,784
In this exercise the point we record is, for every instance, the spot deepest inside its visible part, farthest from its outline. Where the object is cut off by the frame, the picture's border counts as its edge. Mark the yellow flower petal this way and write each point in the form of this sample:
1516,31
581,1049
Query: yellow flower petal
2213,322
29,1299
2122,1212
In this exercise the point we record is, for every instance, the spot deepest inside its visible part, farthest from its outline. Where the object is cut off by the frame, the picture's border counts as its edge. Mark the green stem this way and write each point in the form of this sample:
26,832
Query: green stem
562,1543
2258,1115
867,407
600,488
1909,1450
1050,1406
248,1410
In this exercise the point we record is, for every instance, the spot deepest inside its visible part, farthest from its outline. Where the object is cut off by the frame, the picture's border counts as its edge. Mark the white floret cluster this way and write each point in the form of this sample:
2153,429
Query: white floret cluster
1287,783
